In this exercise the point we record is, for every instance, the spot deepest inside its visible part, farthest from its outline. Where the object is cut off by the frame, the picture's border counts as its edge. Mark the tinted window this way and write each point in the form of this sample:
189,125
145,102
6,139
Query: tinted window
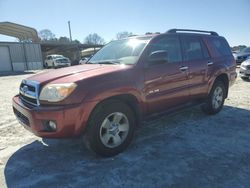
221,46
171,45
205,50
192,49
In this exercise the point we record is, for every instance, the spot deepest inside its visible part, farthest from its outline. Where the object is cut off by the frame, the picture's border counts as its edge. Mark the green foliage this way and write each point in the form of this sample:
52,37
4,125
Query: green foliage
238,48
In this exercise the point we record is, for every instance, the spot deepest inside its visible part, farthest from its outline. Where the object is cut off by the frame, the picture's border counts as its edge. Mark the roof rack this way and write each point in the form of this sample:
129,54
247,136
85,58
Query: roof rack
191,30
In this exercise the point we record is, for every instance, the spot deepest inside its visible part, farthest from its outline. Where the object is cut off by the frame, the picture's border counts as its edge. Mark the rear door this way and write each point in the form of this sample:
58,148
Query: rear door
196,57
165,83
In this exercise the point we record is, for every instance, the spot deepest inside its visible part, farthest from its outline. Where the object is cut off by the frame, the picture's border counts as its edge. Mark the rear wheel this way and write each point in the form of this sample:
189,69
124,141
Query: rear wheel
216,98
111,128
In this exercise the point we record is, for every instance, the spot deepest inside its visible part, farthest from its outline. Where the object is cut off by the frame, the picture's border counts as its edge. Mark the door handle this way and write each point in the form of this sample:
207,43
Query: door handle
184,68
210,63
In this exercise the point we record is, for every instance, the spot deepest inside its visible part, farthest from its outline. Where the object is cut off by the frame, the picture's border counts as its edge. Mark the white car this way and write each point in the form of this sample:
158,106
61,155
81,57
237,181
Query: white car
56,61
245,70
84,60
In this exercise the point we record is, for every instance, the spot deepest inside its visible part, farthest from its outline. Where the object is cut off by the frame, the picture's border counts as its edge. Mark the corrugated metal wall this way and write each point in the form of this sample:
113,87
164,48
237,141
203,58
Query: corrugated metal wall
24,56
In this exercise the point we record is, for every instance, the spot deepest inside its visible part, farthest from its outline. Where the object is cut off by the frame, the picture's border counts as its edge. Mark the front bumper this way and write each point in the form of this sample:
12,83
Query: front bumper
245,73
71,119
62,65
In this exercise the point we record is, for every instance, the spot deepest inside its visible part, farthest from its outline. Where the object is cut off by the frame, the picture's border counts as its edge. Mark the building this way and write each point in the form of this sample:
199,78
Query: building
29,54
20,56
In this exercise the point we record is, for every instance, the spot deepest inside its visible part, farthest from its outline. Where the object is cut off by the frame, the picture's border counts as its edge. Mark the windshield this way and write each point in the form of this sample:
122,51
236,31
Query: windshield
126,51
58,56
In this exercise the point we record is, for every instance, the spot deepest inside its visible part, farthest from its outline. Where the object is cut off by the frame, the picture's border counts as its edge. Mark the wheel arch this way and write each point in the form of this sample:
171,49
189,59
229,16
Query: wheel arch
224,78
128,99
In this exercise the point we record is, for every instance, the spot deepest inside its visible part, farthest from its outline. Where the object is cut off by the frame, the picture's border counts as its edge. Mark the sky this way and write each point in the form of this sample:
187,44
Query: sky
229,18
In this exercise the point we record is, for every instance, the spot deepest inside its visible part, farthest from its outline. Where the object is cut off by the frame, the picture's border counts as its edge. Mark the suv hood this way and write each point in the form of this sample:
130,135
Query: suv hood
75,73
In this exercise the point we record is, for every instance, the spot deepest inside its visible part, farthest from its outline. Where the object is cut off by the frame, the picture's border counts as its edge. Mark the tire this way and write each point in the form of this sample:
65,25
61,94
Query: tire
46,66
216,98
110,128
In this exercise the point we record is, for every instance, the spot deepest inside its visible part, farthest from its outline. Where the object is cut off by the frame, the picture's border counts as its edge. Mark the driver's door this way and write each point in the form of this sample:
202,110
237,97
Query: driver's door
165,83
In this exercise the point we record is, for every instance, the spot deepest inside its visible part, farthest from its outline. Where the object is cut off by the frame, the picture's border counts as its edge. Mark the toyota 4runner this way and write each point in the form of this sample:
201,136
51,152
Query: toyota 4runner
125,82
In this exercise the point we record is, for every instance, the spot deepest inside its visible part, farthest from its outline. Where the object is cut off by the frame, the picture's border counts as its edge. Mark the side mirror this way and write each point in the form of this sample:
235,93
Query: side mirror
157,57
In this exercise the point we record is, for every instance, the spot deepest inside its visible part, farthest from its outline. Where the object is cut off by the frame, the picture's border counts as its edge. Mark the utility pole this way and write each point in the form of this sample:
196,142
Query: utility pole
70,37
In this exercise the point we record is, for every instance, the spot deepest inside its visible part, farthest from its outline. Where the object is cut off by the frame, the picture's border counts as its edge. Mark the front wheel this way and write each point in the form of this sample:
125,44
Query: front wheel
110,128
216,98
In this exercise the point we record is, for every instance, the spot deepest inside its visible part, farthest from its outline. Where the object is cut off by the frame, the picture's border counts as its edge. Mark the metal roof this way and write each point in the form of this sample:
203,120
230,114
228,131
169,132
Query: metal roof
19,31
54,47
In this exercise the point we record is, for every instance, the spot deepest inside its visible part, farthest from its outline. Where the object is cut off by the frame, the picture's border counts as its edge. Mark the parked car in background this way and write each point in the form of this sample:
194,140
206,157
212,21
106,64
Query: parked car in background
125,82
84,60
245,70
242,55
56,61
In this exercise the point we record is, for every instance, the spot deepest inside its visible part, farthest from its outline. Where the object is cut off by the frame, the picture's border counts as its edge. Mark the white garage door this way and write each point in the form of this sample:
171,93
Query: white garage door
5,63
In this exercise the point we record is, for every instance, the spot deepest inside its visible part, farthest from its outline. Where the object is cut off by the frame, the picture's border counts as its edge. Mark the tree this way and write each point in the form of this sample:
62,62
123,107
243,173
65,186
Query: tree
46,34
94,39
76,41
123,34
64,40
238,48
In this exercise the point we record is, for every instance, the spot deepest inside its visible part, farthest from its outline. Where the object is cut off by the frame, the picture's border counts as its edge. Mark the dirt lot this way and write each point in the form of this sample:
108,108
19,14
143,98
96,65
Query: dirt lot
185,150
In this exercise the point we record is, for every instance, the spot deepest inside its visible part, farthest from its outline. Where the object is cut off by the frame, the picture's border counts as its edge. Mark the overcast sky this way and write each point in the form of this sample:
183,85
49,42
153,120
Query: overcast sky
230,19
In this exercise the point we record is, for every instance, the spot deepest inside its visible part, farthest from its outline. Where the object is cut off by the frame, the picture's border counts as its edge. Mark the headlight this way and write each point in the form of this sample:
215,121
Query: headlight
56,92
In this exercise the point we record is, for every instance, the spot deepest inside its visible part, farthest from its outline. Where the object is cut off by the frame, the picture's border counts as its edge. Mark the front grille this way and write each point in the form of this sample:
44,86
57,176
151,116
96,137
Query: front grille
63,61
248,67
29,92
28,99
30,88
21,117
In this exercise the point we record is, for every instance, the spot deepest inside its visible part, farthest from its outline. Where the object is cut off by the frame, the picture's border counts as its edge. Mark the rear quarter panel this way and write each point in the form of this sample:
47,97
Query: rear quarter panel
222,65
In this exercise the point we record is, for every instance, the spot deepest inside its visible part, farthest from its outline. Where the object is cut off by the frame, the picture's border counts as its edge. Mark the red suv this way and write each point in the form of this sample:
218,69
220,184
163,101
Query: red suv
124,82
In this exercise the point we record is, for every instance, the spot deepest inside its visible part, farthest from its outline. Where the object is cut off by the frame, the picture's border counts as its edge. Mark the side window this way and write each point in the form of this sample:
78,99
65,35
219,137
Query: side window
205,50
221,46
192,48
171,45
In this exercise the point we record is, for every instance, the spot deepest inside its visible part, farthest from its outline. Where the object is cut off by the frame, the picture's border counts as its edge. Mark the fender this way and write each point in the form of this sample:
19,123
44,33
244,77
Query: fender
218,71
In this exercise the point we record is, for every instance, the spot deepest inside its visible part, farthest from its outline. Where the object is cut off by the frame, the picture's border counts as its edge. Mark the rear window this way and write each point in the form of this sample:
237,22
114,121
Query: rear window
221,46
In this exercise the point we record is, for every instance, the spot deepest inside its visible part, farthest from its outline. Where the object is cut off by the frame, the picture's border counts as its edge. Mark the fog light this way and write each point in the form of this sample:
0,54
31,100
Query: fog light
52,125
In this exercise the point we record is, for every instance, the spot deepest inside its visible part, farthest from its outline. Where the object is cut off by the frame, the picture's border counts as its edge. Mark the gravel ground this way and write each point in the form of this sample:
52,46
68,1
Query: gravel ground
189,149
